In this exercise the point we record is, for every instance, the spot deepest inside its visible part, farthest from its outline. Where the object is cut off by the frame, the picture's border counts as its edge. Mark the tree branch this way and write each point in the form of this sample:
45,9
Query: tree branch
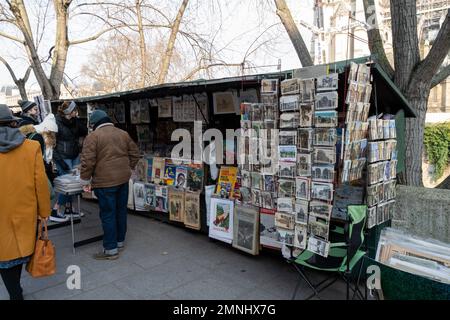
440,76
199,68
11,71
375,42
428,68
4,35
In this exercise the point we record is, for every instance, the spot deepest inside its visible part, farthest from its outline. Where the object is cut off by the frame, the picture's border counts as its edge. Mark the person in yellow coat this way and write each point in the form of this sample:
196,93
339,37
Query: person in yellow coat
24,195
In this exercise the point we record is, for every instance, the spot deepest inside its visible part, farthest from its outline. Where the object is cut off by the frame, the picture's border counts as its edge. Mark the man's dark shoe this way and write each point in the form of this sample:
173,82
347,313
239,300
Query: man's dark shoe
104,256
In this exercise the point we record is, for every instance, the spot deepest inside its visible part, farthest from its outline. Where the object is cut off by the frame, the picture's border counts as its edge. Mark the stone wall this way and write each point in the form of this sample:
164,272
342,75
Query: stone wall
423,212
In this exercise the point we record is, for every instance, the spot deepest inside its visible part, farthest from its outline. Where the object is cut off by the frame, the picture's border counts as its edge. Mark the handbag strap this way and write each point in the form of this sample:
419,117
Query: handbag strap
42,225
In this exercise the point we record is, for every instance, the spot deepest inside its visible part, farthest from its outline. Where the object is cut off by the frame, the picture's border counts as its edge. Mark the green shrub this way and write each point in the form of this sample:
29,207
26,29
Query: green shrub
437,146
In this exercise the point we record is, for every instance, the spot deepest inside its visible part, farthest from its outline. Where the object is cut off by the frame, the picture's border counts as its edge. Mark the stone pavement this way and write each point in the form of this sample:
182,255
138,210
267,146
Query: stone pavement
161,261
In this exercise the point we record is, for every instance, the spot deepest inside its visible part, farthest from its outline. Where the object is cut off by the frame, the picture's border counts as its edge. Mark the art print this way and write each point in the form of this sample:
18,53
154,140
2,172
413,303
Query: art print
150,196
269,183
221,220
287,153
225,102
176,205
256,197
318,227
139,196
246,227
165,107
161,194
267,200
192,210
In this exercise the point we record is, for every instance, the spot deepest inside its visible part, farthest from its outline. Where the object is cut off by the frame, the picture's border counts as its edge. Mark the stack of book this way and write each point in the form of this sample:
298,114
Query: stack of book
68,183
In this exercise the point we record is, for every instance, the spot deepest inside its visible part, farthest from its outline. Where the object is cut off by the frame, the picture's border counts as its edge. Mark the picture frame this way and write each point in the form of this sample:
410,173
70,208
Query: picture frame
225,102
322,191
326,101
246,229
165,107
192,210
327,82
176,205
221,219
302,188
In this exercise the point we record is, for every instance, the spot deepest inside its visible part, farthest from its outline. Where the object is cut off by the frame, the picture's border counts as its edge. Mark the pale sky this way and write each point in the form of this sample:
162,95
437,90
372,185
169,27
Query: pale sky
240,21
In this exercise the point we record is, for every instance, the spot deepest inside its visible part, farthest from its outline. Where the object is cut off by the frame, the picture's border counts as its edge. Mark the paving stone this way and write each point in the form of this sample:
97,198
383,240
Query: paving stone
107,292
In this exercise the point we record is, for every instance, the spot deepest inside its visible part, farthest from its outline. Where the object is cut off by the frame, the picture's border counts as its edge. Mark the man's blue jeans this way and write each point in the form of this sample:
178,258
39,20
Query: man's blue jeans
113,213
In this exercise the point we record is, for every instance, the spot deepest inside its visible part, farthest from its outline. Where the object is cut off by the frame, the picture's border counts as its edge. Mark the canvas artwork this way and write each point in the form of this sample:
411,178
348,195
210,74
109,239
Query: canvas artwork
326,101
139,196
192,210
324,156
302,188
306,115
161,195
323,173
269,86
176,205
221,220
322,191
320,210
225,102
135,109
268,236
301,211
318,246
165,107
246,225
150,196
290,86
328,82
325,119
285,205
285,220
304,164
307,89
301,235
289,120
286,187
290,103
305,139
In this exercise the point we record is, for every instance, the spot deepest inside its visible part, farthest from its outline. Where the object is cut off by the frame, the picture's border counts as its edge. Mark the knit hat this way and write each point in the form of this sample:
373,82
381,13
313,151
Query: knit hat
6,115
48,124
26,105
70,108
96,116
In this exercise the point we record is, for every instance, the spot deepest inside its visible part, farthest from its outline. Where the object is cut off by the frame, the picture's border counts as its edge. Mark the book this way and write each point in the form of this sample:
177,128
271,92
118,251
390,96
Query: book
226,182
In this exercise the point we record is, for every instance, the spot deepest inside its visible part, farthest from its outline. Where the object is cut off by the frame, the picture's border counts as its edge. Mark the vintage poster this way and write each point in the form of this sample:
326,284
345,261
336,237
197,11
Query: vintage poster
268,231
192,210
141,170
181,176
195,177
246,229
139,196
225,102
221,220
170,172
176,205
226,182
150,196
161,196
158,169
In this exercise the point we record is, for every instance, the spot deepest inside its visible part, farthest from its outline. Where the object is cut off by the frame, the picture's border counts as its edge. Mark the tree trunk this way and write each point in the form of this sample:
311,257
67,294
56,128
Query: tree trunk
294,34
171,44
142,43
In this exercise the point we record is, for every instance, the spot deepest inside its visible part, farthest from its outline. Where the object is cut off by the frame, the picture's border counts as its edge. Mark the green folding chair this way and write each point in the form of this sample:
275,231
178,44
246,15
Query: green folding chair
344,255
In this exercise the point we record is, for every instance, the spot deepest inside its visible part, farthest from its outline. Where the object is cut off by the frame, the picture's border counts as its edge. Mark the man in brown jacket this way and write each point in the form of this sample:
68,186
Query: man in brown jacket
108,156
24,195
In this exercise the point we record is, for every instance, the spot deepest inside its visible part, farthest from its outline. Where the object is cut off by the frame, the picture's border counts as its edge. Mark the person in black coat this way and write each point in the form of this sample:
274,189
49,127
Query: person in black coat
28,119
66,154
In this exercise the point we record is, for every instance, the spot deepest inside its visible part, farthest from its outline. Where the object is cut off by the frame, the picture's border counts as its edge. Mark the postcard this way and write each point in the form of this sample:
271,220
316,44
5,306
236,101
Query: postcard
287,153
302,188
305,139
290,86
301,211
325,137
325,119
323,173
328,82
256,180
318,246
285,204
326,101
285,220
287,138
287,169
286,188
290,103
269,86
246,196
300,236
307,89
322,191
269,183
306,115
320,210
304,164
324,156
318,227
256,197
267,200
289,120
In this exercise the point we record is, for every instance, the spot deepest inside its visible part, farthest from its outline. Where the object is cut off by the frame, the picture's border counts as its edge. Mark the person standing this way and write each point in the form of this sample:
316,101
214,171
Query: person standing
48,129
66,155
24,195
109,154
29,118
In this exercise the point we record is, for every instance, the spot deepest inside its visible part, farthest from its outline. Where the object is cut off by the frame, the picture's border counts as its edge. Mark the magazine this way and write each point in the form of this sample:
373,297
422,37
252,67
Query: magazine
226,182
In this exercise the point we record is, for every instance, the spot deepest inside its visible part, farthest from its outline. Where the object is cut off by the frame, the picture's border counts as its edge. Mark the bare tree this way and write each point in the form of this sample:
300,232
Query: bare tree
414,76
21,82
